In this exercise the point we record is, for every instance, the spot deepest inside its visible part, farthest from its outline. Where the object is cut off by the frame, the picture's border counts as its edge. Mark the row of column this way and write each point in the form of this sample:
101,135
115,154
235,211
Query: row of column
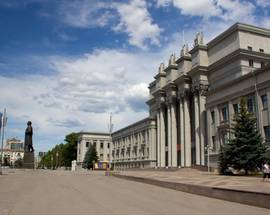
185,135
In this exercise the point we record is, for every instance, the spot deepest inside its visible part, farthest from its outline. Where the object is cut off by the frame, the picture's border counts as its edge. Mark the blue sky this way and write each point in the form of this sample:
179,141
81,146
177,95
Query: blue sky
65,65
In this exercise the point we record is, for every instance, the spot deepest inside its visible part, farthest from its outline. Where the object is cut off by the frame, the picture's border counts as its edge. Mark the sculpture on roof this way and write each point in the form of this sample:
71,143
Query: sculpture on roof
198,39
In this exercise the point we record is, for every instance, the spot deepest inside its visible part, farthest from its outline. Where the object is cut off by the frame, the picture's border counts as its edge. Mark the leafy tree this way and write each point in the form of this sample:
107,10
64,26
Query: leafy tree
62,154
245,149
90,157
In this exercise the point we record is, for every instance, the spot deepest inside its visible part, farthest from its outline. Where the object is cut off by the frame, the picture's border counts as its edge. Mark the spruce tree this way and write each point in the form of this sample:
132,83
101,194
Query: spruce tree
245,150
90,157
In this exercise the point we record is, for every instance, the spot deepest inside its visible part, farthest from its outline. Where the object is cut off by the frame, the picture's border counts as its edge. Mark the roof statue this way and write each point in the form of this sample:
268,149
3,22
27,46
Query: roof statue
185,50
172,59
161,68
199,39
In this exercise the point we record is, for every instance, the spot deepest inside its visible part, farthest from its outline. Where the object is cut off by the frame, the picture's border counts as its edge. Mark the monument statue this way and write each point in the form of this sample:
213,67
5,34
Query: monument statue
28,143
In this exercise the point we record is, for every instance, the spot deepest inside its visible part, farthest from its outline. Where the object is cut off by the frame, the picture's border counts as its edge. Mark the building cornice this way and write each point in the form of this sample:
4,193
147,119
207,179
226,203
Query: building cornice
182,79
183,58
236,81
170,67
197,69
239,27
160,74
197,48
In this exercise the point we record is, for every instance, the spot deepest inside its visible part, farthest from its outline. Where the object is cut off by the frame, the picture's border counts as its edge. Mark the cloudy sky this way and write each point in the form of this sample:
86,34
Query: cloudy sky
65,65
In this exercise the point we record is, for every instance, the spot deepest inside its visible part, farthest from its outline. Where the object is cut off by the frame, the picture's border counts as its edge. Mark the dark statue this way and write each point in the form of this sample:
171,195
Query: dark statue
28,143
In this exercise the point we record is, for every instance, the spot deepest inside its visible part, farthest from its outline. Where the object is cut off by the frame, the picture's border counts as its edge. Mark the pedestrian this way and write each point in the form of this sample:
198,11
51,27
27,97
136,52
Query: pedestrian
266,171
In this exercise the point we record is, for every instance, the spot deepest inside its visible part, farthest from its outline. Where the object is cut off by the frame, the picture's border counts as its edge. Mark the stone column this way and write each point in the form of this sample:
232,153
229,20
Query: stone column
174,136
202,100
197,127
187,132
162,138
158,138
182,136
169,135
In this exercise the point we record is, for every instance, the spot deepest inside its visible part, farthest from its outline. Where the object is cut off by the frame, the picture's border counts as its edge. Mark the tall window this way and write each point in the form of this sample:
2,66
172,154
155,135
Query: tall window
251,63
267,133
95,144
101,145
224,114
235,108
213,117
108,145
214,143
250,105
264,101
87,144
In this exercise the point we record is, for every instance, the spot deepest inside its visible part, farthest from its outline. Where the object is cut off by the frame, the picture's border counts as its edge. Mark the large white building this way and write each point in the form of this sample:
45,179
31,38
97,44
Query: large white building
193,100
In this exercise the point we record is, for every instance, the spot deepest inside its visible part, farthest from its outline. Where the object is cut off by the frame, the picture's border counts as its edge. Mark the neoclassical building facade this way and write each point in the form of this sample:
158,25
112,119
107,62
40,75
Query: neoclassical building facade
101,141
135,145
194,97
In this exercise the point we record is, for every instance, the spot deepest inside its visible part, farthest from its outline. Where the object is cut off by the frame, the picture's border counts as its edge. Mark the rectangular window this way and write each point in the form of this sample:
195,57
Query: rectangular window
213,116
214,143
250,105
224,112
262,64
101,145
108,145
87,144
261,50
235,108
264,101
251,63
249,48
267,133
95,144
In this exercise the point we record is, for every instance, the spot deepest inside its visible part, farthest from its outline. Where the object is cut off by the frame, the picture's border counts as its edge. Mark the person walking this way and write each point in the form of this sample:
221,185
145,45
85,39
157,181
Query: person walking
266,171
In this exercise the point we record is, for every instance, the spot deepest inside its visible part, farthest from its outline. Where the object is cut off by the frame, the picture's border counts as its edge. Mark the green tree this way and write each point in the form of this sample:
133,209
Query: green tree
62,154
90,157
70,149
245,149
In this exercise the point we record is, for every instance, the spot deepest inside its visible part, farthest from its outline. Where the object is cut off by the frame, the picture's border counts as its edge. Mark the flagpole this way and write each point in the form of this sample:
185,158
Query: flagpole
2,142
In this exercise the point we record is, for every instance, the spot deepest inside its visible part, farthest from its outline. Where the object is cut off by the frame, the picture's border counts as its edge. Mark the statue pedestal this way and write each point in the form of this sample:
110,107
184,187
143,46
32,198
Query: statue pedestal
29,160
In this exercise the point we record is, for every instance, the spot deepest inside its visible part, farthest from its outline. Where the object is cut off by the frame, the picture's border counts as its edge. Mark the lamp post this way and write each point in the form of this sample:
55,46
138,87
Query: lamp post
208,148
57,154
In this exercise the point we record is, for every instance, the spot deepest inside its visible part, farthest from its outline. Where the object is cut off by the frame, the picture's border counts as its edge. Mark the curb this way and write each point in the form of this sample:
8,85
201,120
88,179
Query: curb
257,199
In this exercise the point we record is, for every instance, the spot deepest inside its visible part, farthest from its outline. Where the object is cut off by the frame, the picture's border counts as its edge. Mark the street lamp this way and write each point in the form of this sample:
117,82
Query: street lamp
57,154
52,162
208,148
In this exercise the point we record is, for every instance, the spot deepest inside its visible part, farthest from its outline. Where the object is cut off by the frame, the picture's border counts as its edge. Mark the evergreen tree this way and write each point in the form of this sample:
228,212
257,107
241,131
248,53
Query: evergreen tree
245,149
90,157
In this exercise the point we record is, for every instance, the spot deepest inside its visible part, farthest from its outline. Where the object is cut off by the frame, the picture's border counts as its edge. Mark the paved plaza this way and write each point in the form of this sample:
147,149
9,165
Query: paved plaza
195,177
26,192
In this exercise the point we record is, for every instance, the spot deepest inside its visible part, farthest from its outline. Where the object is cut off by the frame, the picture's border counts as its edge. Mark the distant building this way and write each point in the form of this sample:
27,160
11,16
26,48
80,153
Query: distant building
101,141
13,151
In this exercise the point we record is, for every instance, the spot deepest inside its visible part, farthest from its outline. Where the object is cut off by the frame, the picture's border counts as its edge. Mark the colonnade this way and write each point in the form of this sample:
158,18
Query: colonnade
181,129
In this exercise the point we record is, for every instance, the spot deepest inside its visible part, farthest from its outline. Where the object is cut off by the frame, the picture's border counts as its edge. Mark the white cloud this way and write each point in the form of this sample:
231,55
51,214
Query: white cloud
84,13
226,10
263,3
163,3
136,21
79,94
204,8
